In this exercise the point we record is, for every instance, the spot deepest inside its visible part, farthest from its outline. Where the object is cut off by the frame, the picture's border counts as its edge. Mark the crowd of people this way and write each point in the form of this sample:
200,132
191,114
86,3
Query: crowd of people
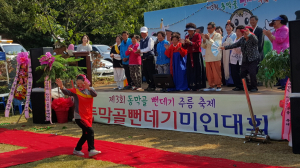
242,50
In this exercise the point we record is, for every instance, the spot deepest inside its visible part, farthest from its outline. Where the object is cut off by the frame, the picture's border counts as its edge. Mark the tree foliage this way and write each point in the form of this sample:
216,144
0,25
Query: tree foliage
60,69
33,22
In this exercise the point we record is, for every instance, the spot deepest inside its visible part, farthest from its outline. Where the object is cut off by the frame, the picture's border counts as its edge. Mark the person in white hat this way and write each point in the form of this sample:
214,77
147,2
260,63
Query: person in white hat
147,49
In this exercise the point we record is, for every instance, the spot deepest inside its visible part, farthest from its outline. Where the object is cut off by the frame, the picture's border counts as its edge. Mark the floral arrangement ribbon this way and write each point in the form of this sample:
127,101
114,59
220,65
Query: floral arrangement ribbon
47,60
12,92
19,88
29,87
286,113
48,99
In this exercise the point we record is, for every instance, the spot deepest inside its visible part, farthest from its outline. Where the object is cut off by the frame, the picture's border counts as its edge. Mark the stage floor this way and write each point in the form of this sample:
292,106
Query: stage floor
262,90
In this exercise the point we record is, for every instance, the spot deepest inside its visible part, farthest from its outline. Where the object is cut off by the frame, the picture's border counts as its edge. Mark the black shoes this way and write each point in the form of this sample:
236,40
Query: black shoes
150,89
237,89
253,90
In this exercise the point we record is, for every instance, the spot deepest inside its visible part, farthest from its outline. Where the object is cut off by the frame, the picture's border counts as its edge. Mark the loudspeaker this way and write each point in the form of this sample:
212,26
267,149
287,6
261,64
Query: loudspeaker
38,108
163,81
294,34
35,53
295,118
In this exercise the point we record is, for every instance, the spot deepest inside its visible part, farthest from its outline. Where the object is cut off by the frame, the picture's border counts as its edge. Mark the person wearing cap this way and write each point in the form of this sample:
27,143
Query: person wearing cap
126,42
213,63
146,48
249,45
227,40
279,38
194,66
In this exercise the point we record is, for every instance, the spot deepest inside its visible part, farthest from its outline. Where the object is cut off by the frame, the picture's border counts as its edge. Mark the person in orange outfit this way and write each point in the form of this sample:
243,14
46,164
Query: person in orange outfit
83,96
213,63
178,60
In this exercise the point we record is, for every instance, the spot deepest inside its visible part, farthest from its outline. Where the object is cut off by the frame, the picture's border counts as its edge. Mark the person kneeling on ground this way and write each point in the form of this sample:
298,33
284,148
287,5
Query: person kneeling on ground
83,96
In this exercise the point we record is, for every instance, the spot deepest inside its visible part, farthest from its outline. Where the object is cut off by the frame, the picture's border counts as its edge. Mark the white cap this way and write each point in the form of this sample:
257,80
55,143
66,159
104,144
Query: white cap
144,29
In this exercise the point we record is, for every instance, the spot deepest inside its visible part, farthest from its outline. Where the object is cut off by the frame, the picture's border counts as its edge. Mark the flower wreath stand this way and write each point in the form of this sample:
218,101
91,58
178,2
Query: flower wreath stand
22,85
57,67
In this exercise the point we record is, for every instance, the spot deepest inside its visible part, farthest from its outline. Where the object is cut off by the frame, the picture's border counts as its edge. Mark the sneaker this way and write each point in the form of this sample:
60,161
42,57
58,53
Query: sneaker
120,88
219,89
209,89
94,152
139,89
134,88
78,153
116,88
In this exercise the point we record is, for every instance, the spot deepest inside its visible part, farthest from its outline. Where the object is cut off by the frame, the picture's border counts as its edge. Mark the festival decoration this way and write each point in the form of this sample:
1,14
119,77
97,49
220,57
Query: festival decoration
48,61
61,107
210,6
56,67
286,112
22,85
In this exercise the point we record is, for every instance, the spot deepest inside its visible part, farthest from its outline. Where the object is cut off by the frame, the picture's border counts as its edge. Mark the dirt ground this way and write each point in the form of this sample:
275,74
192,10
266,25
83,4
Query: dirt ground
278,153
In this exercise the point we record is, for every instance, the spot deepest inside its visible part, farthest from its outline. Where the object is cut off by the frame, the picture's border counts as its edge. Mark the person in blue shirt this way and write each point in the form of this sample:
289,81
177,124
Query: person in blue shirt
162,62
125,58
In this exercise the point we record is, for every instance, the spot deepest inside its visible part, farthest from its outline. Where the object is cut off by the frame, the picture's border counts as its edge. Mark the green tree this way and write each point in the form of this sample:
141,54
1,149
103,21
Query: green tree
16,23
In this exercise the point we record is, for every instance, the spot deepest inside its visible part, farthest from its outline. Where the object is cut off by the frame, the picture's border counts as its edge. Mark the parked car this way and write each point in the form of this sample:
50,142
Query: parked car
107,68
103,50
11,49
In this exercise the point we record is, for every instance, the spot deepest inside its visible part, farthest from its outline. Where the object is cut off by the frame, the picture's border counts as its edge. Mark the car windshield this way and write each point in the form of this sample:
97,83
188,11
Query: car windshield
13,49
104,48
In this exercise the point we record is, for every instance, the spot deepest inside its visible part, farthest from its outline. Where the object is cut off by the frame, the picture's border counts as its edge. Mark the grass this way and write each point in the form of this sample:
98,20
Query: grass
278,153
105,80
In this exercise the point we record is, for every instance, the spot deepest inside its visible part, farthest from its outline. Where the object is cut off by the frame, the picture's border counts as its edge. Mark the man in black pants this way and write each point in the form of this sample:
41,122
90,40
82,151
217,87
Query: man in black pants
147,49
125,58
258,31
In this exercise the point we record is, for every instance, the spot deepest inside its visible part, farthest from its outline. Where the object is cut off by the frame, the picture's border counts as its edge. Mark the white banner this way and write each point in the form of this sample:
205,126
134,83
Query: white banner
219,114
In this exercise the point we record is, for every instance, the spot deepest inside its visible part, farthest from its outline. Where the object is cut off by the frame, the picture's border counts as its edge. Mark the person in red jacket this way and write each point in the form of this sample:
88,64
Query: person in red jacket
195,68
177,57
83,114
135,63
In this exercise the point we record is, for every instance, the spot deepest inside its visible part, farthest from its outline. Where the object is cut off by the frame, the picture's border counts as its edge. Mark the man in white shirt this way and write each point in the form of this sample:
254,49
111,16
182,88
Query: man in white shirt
146,48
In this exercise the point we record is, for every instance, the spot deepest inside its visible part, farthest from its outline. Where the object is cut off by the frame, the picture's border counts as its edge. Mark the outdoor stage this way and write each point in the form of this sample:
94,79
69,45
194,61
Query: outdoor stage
220,113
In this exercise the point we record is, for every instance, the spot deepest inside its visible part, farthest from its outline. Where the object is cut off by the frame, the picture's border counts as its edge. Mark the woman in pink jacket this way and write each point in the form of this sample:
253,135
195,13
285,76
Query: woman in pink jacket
135,63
